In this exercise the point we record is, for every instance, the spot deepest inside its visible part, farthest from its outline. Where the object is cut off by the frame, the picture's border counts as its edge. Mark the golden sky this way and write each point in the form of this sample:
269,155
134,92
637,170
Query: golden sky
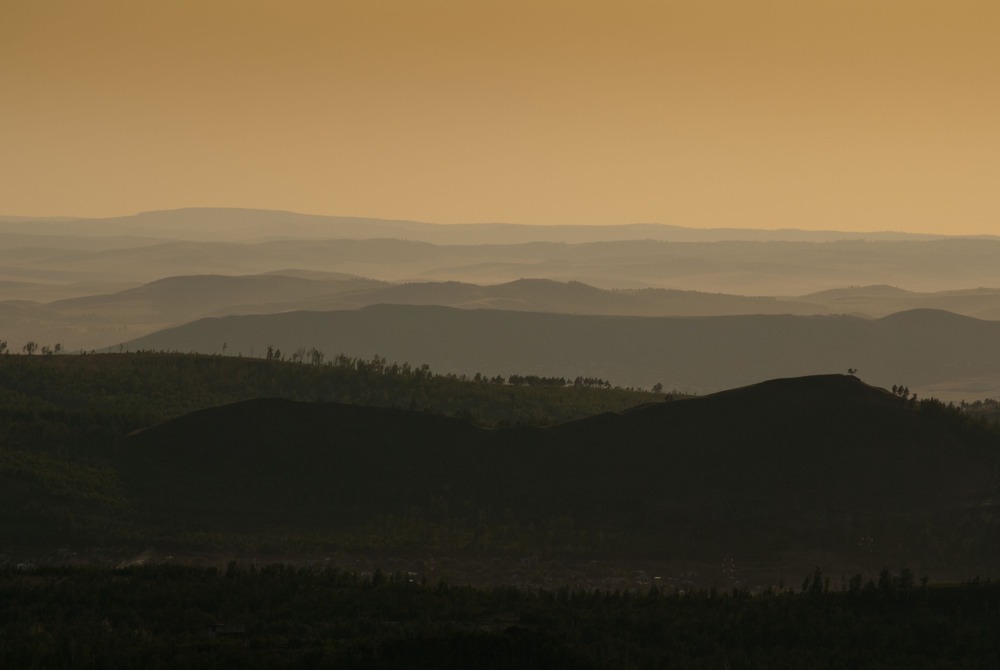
815,114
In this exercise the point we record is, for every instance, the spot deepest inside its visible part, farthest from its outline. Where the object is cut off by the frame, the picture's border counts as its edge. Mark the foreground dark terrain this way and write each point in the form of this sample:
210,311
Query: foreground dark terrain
278,616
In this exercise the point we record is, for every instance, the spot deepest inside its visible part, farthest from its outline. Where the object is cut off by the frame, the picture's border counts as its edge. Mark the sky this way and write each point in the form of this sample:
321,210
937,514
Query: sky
856,115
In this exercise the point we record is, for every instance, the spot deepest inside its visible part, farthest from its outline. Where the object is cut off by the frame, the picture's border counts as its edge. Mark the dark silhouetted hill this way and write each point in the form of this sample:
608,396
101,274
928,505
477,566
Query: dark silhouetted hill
807,467
61,415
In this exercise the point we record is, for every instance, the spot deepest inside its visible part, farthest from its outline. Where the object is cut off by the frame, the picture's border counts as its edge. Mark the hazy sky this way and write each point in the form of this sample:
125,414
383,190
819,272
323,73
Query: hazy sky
855,115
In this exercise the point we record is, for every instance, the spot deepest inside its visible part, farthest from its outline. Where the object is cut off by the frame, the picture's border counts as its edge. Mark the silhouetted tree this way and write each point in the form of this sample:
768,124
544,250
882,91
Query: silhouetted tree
30,347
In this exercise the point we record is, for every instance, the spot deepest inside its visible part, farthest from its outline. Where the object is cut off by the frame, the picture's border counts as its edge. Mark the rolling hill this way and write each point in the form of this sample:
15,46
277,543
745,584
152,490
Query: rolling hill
882,300
780,472
923,349
100,320
784,475
103,319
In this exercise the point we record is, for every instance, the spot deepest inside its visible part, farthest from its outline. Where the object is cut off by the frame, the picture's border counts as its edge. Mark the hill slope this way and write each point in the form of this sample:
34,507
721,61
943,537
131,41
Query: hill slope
920,348
800,468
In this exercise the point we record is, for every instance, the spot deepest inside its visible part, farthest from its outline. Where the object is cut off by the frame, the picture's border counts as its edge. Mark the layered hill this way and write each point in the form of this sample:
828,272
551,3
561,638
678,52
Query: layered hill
882,300
735,266
103,319
99,320
926,350
781,472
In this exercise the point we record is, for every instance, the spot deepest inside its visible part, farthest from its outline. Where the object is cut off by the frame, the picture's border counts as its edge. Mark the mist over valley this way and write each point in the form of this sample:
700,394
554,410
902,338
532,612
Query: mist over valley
722,307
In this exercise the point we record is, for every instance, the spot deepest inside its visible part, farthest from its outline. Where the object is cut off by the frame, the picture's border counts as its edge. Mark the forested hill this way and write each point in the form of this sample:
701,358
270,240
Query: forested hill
781,472
828,440
786,474
60,415
46,398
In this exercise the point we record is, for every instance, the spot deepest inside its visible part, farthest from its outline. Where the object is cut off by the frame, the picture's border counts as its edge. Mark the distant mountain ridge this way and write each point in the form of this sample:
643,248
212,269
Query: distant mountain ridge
222,224
58,259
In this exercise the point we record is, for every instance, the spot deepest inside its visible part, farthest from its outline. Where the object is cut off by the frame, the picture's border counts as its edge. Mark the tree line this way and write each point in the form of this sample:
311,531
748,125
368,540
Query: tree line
284,616
30,347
